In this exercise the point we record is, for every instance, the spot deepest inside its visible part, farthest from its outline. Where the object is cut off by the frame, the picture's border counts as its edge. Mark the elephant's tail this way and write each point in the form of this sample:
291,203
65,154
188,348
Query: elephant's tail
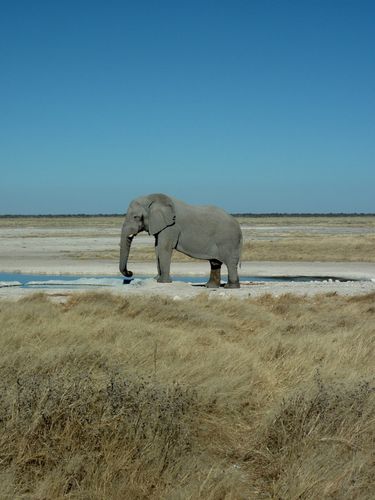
241,242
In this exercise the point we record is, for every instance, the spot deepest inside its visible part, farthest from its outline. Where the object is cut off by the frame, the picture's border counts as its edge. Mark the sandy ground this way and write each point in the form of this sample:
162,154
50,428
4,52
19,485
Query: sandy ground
49,251
179,290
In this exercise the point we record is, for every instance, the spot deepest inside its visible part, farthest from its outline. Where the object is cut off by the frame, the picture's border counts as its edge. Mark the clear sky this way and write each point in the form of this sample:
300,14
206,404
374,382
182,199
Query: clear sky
253,105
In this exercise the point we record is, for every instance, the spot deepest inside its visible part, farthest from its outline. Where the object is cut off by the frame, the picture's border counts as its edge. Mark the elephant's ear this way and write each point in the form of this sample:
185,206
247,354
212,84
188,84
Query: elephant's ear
162,214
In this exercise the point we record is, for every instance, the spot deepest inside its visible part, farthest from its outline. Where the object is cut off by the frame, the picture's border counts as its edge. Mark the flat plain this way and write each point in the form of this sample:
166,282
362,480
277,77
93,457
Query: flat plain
343,239
174,395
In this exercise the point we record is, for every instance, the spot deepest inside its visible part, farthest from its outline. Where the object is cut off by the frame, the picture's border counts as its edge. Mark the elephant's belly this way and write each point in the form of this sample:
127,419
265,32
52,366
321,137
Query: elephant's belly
201,249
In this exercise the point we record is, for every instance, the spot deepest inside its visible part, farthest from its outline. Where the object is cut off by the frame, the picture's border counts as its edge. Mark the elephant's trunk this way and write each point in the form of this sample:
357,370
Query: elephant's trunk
126,240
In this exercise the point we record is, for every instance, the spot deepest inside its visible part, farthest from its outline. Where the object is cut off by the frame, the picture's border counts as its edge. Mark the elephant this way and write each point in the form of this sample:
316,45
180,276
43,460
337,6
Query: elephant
202,232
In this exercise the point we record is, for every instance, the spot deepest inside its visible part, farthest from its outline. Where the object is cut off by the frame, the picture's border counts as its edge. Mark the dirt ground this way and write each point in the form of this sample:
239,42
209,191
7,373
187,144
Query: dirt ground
90,247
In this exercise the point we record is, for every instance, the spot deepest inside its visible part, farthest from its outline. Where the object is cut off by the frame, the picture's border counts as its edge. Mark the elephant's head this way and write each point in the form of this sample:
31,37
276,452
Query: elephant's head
151,213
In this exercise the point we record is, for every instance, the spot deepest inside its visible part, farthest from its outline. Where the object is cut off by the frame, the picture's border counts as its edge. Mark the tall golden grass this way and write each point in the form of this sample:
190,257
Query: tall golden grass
113,397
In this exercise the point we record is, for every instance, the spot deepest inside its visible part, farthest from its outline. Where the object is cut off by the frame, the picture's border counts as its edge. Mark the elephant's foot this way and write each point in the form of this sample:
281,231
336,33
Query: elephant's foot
164,279
236,284
212,284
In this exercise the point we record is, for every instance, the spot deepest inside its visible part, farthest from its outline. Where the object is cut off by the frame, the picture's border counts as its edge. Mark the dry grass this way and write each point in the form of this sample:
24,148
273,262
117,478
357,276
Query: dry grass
114,222
108,397
364,221
301,247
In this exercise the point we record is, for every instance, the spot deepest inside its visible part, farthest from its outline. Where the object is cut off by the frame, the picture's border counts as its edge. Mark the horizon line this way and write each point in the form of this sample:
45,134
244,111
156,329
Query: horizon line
235,214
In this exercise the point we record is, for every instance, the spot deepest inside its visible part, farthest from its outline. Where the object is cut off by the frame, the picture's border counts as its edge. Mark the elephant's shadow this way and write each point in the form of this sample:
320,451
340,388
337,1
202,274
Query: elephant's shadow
202,285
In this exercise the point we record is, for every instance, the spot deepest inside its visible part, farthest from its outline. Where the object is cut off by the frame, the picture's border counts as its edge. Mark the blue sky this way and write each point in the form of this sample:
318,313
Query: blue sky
256,106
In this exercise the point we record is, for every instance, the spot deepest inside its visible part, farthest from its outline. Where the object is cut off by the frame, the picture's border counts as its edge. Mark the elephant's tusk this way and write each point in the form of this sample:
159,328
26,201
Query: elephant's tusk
131,235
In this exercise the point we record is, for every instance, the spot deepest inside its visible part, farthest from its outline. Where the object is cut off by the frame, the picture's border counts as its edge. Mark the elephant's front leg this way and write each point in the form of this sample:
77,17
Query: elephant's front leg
163,248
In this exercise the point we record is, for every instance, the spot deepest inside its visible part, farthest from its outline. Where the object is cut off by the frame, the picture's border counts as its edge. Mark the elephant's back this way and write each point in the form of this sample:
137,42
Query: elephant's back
212,225
212,212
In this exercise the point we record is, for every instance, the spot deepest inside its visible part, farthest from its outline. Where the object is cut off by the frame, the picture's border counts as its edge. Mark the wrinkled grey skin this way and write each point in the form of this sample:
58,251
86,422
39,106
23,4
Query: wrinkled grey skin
203,232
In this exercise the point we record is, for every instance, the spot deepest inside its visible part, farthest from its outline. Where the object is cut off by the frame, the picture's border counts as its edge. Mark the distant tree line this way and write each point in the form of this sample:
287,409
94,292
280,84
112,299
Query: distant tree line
249,214
306,214
51,216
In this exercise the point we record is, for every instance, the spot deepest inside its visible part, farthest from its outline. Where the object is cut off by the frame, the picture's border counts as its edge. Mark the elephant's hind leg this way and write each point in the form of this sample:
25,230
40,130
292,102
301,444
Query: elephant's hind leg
215,276
233,279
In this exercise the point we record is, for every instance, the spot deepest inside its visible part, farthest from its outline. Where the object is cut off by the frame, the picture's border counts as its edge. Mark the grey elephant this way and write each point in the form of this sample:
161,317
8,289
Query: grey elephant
202,232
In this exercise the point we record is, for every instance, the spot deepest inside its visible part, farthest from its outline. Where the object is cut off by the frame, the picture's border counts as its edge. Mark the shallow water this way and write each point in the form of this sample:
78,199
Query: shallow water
56,280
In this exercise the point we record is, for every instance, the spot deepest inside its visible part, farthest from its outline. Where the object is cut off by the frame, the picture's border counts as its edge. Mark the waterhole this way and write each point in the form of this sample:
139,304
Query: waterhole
41,281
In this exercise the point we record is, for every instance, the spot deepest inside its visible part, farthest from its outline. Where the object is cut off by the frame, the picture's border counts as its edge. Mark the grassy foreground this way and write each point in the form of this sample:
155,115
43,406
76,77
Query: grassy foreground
108,397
